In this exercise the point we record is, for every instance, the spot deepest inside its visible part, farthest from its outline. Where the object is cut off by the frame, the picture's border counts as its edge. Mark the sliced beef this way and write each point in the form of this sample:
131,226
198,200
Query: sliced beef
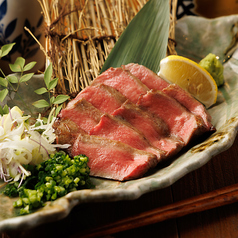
188,101
103,97
180,121
154,129
147,76
153,81
113,159
115,129
127,84
83,114
150,120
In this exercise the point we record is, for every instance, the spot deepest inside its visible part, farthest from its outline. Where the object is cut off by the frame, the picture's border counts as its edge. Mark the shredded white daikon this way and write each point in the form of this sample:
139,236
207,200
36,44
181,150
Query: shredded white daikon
22,143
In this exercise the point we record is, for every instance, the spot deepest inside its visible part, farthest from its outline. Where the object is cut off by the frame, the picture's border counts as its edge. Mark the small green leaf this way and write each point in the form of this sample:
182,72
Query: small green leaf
3,82
41,90
4,110
18,65
58,109
60,99
26,77
52,99
12,79
6,49
29,66
47,75
3,94
15,68
41,103
53,83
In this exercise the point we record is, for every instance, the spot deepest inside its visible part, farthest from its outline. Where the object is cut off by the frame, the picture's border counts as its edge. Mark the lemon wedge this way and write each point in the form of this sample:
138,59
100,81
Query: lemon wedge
191,77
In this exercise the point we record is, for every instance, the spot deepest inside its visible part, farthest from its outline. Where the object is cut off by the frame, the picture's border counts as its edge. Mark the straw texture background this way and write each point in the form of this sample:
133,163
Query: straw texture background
81,33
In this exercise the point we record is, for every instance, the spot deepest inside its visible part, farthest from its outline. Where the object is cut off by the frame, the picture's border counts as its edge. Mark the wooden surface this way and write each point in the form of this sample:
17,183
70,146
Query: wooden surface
221,222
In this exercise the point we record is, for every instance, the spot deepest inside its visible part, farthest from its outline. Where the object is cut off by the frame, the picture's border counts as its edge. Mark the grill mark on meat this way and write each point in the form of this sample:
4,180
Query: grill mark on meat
116,129
113,159
181,122
127,84
153,128
153,81
83,114
103,97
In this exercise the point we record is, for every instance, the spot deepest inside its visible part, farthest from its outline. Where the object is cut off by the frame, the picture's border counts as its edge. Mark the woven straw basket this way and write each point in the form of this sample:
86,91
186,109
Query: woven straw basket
81,33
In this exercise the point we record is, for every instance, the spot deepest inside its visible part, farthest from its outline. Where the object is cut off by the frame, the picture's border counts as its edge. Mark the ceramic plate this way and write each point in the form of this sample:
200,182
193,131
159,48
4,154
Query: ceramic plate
211,36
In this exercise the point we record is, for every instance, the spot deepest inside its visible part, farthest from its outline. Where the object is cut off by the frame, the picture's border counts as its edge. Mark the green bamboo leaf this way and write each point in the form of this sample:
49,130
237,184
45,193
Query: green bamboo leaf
41,103
145,39
53,83
18,65
29,66
12,79
47,75
3,82
41,91
60,99
3,94
6,49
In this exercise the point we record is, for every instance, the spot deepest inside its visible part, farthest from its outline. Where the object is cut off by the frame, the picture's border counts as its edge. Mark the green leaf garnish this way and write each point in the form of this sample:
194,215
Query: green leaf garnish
41,91
6,49
57,110
29,66
60,99
41,103
12,79
3,82
26,77
18,65
4,110
52,100
53,83
3,94
47,75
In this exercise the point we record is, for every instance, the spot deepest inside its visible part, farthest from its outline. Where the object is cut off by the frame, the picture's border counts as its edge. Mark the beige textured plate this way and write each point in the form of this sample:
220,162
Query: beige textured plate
225,118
